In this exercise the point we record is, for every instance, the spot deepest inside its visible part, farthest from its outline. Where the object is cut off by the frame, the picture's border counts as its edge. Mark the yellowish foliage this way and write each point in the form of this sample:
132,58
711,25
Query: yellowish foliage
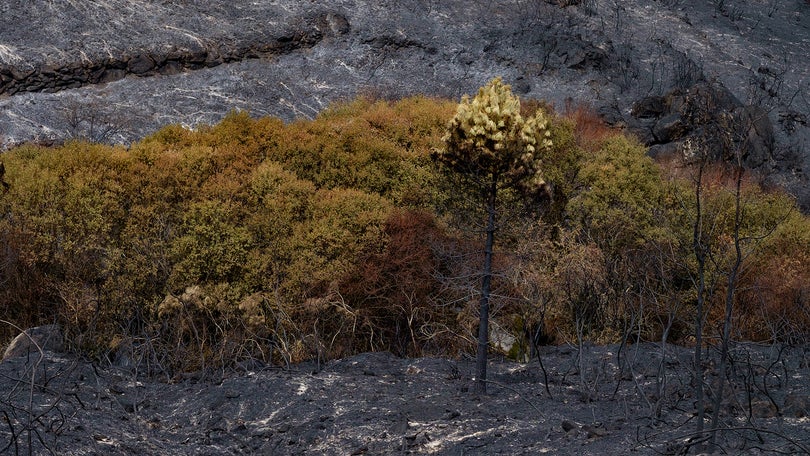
489,138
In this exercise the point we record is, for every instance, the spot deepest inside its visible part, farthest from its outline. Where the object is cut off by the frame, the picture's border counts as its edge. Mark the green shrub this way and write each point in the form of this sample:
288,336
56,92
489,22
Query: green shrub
256,239
621,191
209,247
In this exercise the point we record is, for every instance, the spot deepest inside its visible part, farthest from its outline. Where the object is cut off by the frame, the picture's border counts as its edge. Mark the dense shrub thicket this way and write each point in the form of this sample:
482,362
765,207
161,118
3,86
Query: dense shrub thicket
255,239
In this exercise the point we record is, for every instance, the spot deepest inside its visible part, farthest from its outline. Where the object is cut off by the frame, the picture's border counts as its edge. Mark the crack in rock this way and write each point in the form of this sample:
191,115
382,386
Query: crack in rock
302,33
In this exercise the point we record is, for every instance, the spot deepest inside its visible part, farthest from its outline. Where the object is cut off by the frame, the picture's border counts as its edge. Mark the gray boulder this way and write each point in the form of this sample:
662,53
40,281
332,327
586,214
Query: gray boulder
45,338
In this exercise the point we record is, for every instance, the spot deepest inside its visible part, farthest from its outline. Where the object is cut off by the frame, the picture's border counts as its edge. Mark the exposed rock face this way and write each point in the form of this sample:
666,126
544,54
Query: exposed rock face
663,123
48,337
144,64
299,33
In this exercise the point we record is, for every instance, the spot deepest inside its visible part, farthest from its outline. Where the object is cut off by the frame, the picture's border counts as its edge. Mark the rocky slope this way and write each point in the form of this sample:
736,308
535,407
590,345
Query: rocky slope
115,70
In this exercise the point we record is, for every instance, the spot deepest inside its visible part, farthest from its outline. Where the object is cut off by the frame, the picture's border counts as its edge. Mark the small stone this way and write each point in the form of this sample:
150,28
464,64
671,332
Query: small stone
451,414
567,425
797,405
761,408
595,431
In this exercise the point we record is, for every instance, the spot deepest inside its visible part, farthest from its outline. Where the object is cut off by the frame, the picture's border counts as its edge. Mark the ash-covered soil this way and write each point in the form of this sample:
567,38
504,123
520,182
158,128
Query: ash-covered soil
600,400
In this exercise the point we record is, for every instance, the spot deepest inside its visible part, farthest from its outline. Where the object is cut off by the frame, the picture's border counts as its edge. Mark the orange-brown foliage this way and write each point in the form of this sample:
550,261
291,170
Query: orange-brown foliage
590,129
716,175
774,292
395,290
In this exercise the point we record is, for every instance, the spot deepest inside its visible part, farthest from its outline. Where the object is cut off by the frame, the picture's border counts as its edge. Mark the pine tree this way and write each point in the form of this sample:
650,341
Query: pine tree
491,145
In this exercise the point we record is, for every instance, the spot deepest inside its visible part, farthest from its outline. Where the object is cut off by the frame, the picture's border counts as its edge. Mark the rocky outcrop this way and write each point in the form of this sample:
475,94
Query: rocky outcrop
666,122
302,33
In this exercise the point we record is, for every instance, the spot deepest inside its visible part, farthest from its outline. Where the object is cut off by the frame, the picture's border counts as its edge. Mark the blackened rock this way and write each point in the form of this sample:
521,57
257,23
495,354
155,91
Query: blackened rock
612,115
755,135
522,86
568,425
140,64
649,107
670,128
112,74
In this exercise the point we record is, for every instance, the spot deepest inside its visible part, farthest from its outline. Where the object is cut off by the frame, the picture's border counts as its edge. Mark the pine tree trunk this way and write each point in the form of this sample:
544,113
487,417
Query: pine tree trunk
483,322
